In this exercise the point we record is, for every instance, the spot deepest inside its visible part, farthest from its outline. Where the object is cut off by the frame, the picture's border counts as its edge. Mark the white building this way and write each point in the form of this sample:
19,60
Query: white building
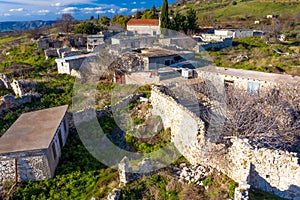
65,65
234,33
144,26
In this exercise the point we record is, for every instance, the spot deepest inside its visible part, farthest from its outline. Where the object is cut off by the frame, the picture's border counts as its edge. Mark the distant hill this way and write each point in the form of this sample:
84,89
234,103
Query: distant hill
238,9
23,25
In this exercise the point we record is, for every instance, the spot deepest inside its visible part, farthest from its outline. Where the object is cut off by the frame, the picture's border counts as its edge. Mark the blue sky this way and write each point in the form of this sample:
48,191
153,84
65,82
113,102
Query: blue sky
21,10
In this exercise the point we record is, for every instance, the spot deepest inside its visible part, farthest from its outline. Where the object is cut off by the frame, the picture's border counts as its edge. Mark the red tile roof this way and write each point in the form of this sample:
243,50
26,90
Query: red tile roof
143,22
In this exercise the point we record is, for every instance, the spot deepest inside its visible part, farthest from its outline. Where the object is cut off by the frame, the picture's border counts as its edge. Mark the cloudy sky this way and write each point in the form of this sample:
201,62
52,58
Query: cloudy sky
21,10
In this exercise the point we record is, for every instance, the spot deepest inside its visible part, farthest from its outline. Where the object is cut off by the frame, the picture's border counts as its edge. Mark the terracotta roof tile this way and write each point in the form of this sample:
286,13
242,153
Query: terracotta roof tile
143,22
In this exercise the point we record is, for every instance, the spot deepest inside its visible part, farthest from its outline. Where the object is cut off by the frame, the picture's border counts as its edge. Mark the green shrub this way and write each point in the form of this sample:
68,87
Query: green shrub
208,181
137,120
231,187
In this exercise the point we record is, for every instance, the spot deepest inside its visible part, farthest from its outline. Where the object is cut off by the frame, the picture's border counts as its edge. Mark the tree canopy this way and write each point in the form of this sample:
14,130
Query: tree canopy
87,27
120,19
164,18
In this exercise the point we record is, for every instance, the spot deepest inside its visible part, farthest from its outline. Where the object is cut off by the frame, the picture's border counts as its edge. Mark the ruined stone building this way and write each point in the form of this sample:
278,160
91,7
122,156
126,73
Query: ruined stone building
130,40
251,81
155,58
31,147
93,41
46,43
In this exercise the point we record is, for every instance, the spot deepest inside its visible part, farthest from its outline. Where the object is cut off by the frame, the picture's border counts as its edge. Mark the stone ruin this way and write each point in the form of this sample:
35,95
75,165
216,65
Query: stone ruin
23,92
127,174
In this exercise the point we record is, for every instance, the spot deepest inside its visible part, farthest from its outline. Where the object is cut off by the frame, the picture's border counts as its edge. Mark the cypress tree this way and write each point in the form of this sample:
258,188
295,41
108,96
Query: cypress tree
164,18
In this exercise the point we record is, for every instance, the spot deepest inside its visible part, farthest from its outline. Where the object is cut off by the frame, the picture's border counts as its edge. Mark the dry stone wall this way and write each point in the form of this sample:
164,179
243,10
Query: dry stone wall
272,171
28,168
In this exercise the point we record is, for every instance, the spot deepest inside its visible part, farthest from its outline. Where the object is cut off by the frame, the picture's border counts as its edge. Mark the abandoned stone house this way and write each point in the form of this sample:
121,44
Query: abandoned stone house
144,26
66,65
31,147
251,81
93,41
46,43
155,58
131,40
157,64
78,40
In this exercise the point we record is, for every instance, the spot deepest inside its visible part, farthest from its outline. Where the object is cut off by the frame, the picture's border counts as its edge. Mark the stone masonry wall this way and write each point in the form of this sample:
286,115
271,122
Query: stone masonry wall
273,171
29,168
187,129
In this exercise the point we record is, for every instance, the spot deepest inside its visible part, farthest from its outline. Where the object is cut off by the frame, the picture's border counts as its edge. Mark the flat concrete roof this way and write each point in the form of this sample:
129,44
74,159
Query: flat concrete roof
82,56
156,52
33,130
249,74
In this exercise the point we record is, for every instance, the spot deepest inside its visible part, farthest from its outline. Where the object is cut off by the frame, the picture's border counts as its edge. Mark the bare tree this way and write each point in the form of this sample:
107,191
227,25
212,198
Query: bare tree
270,119
65,23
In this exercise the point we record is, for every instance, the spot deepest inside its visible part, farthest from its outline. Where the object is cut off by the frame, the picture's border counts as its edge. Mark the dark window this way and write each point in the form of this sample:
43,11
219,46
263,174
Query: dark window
167,62
65,125
54,150
228,84
60,138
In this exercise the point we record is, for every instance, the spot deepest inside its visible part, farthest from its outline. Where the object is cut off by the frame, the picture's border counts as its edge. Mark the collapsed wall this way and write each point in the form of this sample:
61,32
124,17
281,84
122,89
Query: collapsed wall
272,171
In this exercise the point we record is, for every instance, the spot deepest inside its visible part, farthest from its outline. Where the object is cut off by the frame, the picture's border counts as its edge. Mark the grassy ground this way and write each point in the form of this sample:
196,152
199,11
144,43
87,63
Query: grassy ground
259,56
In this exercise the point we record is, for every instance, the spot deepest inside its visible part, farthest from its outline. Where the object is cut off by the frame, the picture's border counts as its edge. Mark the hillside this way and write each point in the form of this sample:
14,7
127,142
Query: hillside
240,9
23,25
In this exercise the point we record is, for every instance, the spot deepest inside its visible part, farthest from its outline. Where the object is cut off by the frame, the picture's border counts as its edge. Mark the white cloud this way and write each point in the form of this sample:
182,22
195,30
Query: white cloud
111,11
92,9
143,2
101,12
123,9
69,10
6,14
16,10
134,2
134,10
58,4
43,11
124,4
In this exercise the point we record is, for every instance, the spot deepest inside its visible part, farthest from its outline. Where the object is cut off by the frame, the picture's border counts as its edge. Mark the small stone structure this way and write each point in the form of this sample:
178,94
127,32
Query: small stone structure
4,81
31,147
127,174
17,88
9,101
50,53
